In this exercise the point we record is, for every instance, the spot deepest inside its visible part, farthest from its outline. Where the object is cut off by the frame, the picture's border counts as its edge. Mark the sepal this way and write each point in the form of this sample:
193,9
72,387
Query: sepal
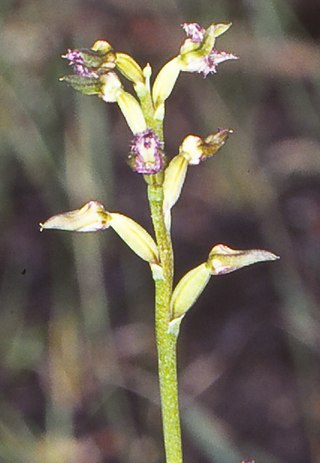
84,85
129,68
219,29
89,218
223,259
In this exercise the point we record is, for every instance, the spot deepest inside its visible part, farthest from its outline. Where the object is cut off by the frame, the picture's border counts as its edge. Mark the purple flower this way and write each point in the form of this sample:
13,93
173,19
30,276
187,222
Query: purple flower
146,156
194,31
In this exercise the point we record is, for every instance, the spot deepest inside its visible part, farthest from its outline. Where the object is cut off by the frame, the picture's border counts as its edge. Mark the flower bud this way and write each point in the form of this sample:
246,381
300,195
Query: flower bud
135,236
102,47
89,218
165,81
132,112
196,149
129,68
223,259
188,290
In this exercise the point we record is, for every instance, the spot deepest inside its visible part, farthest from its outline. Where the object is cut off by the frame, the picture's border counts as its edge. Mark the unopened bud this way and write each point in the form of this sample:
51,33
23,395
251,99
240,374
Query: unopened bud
223,259
102,47
89,218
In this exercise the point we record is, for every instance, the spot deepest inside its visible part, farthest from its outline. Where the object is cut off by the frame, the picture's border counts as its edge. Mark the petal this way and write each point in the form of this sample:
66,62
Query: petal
223,259
89,218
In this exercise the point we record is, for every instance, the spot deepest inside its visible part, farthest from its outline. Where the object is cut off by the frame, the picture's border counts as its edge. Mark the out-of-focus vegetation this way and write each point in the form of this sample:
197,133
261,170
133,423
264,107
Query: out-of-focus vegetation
78,365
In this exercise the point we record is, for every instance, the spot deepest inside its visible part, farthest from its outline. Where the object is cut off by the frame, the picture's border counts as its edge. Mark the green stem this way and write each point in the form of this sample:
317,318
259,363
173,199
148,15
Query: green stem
166,342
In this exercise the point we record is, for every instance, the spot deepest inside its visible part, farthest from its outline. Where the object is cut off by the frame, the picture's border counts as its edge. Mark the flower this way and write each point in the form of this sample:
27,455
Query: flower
146,156
196,149
197,53
93,217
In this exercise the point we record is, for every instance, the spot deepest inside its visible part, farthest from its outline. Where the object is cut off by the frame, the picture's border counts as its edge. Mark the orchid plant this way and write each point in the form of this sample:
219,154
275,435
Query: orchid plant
97,71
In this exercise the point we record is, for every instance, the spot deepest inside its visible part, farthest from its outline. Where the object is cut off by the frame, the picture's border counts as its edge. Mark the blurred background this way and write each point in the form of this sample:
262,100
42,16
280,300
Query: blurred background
78,362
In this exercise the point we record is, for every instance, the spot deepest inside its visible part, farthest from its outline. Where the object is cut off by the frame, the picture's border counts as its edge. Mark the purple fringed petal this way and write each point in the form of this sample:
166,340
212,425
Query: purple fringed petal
194,32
